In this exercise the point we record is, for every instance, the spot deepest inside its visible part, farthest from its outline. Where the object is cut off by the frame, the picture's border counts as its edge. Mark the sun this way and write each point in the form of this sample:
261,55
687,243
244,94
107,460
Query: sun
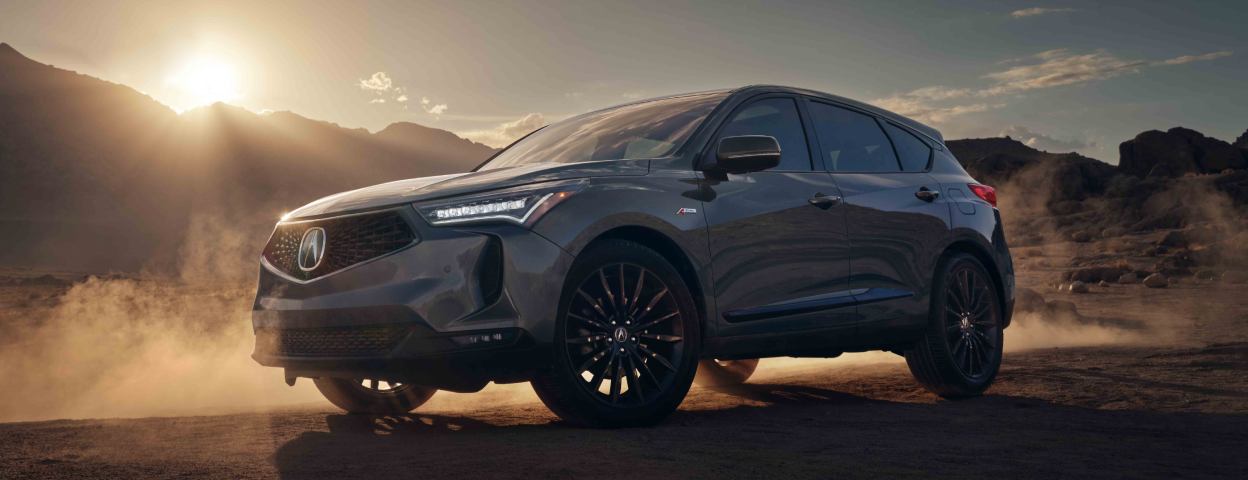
204,82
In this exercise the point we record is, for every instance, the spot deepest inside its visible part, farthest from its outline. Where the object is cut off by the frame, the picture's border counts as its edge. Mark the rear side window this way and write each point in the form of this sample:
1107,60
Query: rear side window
913,152
775,117
851,141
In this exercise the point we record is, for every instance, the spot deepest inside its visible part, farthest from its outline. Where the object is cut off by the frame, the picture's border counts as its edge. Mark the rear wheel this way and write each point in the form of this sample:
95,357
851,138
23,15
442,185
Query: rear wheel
724,373
373,396
961,352
627,340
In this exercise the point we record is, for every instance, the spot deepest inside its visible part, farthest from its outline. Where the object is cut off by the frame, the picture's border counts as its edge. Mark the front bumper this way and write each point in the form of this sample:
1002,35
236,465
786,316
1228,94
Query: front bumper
405,316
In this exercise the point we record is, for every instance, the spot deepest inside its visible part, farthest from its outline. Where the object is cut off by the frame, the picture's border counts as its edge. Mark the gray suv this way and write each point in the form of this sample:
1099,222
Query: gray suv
611,258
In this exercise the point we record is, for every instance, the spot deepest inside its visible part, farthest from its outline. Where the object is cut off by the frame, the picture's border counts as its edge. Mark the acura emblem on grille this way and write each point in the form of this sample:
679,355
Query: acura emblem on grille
312,249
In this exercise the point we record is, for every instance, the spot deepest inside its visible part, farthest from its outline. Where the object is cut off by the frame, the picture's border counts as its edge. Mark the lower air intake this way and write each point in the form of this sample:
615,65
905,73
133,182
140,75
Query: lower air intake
330,342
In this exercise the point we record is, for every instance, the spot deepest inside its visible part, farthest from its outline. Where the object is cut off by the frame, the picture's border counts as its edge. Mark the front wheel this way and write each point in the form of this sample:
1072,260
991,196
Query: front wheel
373,396
961,352
627,340
725,373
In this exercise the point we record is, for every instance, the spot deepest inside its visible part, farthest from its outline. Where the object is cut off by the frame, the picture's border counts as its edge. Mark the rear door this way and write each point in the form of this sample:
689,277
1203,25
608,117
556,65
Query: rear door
897,221
777,237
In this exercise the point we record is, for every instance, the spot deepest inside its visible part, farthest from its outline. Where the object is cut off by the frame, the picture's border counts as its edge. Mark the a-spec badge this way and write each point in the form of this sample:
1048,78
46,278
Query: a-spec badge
687,211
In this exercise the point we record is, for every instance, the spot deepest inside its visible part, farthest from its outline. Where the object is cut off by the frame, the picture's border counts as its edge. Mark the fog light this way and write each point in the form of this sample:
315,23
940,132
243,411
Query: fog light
484,338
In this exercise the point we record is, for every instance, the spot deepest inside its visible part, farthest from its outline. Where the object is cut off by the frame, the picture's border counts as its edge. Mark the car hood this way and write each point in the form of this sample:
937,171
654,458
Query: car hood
428,188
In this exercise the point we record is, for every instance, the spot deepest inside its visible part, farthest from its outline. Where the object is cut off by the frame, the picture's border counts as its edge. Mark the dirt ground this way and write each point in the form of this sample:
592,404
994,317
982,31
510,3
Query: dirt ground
1147,383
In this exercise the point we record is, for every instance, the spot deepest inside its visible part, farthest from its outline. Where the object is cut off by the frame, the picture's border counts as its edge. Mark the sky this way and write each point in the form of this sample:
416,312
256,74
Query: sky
1067,76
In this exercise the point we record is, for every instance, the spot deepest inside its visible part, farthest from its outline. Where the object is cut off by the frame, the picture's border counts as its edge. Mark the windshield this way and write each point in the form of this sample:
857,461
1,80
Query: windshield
642,130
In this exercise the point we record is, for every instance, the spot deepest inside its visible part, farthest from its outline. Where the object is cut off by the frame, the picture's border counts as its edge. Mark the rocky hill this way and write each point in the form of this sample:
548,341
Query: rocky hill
95,175
1179,179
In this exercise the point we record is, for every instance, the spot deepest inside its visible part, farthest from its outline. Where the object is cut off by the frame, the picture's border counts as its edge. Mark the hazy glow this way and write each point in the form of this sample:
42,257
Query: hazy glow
204,82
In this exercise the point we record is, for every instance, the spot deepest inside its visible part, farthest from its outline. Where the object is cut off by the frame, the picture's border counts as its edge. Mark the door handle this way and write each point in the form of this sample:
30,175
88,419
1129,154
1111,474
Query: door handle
825,202
926,195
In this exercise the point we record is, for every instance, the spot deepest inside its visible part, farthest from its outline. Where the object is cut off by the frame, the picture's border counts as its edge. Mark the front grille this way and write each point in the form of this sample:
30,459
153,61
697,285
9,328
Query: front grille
330,342
348,241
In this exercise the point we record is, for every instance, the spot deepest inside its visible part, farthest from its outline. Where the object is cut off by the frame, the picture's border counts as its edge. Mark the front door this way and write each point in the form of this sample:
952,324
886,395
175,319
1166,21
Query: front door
778,239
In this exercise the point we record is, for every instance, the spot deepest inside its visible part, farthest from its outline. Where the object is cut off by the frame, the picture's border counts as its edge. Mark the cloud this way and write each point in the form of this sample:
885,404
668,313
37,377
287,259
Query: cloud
1044,142
401,99
1192,58
506,133
940,93
633,95
424,100
378,100
1029,12
379,82
436,109
1060,67
923,110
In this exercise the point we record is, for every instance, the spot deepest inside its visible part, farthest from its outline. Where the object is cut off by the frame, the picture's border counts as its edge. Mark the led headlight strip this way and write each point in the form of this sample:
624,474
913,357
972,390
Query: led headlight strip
519,205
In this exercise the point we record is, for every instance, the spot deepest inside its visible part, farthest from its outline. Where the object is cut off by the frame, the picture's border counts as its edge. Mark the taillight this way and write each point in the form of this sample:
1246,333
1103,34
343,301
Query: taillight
984,192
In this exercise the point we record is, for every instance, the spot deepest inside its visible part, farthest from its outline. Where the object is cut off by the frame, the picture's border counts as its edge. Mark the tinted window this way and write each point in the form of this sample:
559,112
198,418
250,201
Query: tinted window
913,152
641,130
775,117
851,141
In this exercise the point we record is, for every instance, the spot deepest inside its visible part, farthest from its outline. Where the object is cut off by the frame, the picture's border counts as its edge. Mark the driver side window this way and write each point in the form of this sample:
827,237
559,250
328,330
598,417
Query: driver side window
775,117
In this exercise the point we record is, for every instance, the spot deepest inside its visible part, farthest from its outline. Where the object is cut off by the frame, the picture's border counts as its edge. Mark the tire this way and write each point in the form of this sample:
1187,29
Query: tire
382,398
716,373
960,354
647,370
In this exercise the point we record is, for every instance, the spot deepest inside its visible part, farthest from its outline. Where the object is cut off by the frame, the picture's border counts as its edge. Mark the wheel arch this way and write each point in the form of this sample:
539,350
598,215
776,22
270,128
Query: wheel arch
980,253
670,251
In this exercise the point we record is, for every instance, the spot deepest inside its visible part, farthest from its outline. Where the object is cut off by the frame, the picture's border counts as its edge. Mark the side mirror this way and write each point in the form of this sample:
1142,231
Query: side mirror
747,153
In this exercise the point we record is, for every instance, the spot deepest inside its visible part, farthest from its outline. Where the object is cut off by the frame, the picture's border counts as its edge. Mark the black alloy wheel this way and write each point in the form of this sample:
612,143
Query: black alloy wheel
373,396
961,353
625,330
971,323
626,340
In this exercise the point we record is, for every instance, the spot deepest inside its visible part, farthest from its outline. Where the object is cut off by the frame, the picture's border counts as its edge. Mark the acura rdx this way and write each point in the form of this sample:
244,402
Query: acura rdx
614,258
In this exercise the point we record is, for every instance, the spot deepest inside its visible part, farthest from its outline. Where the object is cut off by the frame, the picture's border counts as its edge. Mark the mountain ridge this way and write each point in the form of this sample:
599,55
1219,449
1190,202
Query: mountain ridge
89,166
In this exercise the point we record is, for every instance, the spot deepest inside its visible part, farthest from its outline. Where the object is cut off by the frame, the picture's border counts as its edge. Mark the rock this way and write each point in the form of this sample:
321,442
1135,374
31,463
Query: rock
1156,280
1141,155
1235,276
1094,274
1214,155
1078,287
1063,306
1112,232
1081,237
1028,300
1205,274
1128,278
1150,252
1176,239
1104,284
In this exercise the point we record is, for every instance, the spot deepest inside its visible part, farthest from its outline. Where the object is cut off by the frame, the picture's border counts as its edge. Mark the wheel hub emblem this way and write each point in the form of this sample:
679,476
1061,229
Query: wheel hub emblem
621,335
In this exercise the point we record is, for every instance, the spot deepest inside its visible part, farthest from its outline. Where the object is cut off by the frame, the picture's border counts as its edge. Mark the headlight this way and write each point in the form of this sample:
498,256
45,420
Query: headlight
519,205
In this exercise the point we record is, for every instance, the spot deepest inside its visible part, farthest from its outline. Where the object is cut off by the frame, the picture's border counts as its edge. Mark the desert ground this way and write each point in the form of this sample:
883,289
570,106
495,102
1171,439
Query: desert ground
1140,382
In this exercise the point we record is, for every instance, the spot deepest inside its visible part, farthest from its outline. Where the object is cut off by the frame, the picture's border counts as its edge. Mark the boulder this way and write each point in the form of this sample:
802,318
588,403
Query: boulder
1140,155
1081,237
1112,232
1235,276
1063,307
1128,278
1205,274
1078,287
1214,155
1094,274
1028,300
1156,280
1104,284
1176,239
1151,252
